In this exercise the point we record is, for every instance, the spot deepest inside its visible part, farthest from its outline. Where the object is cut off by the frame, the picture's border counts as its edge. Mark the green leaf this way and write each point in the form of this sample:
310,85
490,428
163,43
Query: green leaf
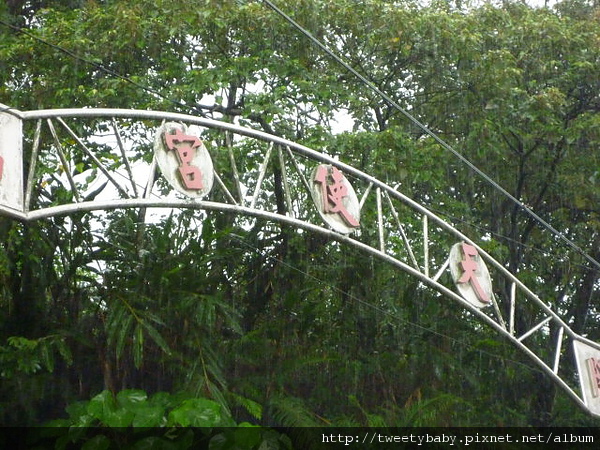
157,337
102,405
47,357
130,397
162,399
255,409
197,412
120,418
77,409
149,416
64,351
138,346
122,335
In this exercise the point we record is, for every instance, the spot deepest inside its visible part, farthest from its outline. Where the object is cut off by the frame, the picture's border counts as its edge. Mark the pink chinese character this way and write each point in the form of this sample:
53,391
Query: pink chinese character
594,372
469,266
334,194
185,146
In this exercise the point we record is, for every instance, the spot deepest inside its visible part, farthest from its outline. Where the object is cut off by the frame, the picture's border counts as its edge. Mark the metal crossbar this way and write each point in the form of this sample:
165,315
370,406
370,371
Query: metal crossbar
103,168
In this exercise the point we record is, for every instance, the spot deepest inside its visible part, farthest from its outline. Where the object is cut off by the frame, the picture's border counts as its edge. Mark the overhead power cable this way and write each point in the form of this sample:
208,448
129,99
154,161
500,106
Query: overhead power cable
391,102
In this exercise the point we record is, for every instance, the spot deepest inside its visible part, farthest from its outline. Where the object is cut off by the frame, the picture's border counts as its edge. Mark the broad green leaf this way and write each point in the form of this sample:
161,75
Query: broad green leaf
102,405
149,416
129,398
198,412
120,418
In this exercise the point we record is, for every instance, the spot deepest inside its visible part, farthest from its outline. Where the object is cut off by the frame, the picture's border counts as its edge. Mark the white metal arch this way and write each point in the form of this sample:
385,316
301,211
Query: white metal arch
54,148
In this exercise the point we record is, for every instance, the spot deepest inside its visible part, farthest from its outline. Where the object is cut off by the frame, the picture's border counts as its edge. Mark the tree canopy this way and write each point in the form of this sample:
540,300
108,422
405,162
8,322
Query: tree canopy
282,328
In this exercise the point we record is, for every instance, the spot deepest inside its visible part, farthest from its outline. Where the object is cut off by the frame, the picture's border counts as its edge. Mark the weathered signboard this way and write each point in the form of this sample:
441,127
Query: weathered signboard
588,366
335,199
184,160
470,275
11,162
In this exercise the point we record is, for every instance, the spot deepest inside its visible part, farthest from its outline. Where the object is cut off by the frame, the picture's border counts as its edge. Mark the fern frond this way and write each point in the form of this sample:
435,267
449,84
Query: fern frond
291,412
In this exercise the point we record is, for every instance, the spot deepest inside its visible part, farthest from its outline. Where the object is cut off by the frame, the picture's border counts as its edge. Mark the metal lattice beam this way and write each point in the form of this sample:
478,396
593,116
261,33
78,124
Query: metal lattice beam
93,158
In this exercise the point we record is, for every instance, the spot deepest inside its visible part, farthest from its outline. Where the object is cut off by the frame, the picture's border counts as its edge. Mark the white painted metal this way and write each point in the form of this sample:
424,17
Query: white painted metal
261,176
11,162
151,179
403,233
236,175
380,220
499,316
363,199
426,245
286,185
299,170
557,353
588,358
534,329
117,132
170,164
64,167
513,301
481,277
93,157
224,188
297,188
32,165
320,194
441,270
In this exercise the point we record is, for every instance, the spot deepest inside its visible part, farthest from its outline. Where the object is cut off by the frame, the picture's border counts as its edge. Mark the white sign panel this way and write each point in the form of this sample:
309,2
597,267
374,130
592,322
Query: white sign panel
335,199
588,366
11,162
184,160
471,275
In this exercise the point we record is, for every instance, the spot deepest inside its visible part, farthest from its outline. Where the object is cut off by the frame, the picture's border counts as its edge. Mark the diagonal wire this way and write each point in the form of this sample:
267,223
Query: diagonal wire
391,102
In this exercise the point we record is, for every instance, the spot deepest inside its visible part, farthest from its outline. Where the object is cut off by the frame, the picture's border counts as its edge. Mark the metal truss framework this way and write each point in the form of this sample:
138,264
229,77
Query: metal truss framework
74,153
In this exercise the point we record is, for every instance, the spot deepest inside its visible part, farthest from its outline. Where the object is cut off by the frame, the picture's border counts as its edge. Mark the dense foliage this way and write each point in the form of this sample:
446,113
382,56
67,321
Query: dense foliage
284,328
